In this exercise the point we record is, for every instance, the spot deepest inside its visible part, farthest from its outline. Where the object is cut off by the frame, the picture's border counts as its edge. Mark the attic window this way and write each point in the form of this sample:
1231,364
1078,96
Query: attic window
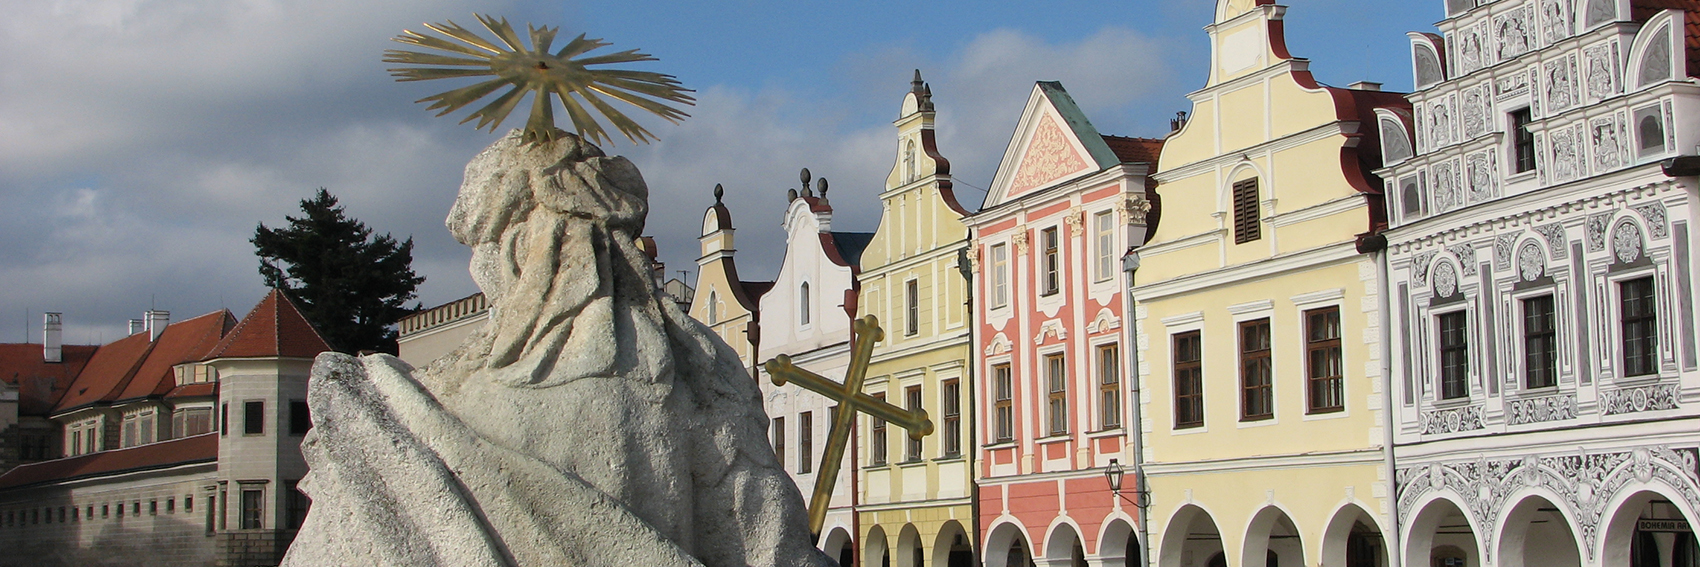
1246,227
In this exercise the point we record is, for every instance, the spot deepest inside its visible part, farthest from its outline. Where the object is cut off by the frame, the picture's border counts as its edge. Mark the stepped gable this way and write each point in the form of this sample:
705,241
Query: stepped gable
1135,150
187,341
1642,10
176,452
106,373
274,328
41,383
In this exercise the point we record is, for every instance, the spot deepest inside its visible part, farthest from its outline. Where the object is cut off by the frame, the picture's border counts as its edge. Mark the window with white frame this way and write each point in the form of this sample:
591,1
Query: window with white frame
1056,386
1638,319
1000,275
1051,262
1103,233
803,303
1454,355
1540,343
1109,386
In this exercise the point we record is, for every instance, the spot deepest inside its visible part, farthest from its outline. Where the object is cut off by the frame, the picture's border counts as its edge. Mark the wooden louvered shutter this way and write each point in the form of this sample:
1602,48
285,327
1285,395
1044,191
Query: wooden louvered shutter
1246,227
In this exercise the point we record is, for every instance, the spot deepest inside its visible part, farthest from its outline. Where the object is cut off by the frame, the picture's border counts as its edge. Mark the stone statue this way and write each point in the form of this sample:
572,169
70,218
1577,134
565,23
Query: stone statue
589,423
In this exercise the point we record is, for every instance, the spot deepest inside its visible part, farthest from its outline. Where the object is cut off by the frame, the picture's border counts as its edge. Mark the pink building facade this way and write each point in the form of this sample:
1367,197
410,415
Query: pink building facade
1051,338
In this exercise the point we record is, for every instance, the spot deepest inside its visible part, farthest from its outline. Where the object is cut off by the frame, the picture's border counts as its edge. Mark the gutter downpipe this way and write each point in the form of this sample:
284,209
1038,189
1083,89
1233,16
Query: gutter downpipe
1395,548
966,267
1130,265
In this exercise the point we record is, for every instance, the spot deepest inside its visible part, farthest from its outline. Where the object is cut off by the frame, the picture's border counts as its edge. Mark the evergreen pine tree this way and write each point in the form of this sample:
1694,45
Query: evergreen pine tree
351,285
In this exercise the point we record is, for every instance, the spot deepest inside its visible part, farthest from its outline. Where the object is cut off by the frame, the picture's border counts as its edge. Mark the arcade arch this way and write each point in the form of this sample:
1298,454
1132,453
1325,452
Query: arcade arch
1536,532
952,548
1353,539
1649,529
1272,540
1007,546
1063,548
1192,540
1441,535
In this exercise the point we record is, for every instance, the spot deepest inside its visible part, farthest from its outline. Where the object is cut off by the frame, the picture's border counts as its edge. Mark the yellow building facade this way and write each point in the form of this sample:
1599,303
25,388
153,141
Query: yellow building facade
916,497
1257,304
722,301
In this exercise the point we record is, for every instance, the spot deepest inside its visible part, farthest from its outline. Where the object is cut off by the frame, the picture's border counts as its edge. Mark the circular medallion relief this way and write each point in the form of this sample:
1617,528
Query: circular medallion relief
1626,241
1445,280
1531,263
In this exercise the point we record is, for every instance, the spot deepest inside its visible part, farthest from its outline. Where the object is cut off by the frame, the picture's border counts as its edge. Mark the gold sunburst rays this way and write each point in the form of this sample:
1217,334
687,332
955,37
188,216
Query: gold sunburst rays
564,74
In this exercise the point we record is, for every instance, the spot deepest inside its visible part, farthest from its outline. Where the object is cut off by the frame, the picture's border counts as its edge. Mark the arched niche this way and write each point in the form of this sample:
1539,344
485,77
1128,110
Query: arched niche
1428,60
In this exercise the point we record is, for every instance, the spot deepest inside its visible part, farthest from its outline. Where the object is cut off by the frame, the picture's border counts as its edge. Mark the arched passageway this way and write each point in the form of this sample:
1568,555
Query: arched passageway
837,545
1006,546
909,550
1272,541
1119,546
1442,536
1535,532
875,551
951,547
1064,549
1353,539
1649,530
1192,540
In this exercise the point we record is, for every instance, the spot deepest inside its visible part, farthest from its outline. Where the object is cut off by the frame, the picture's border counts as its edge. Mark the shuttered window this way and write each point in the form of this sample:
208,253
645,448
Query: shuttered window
1246,227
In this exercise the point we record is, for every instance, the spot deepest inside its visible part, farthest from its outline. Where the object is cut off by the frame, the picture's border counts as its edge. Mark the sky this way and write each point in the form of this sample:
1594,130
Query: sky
142,141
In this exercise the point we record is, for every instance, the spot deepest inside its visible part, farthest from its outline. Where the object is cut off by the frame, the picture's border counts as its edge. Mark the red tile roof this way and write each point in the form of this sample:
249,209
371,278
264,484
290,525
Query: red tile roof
274,328
188,341
1135,150
203,389
106,372
200,448
41,383
1642,10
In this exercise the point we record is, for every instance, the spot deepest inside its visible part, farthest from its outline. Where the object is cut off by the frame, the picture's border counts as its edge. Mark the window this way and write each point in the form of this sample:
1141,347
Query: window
76,442
1324,366
806,442
253,418
136,508
1056,386
713,308
1000,275
189,503
1454,356
106,509
224,419
803,303
88,438
192,421
253,508
1257,376
148,428
1103,231
950,402
1189,380
153,507
171,505
779,440
1246,225
912,310
1109,387
912,399
1052,279
1522,141
296,505
1540,343
128,437
1640,327
1002,395
300,418
876,438
211,505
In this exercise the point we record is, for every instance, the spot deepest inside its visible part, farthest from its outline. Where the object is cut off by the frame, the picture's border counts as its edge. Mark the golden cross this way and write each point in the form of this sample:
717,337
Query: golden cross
864,332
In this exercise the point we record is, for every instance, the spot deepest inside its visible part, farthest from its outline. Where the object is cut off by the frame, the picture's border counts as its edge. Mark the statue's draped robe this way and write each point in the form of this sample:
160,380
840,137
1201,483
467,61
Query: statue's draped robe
590,422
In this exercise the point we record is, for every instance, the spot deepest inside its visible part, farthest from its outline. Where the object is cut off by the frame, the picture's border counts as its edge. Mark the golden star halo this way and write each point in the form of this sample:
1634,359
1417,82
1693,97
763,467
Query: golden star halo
535,70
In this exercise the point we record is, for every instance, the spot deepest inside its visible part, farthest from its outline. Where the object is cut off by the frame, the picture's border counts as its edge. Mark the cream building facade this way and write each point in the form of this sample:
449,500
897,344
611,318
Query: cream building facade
917,497
1257,312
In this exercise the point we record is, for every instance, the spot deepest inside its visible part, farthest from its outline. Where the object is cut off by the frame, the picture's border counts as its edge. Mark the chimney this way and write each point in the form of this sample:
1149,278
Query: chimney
1365,86
52,338
136,326
157,320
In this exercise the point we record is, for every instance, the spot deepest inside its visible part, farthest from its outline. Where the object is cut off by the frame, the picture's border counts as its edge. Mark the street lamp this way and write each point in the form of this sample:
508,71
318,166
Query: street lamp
1113,474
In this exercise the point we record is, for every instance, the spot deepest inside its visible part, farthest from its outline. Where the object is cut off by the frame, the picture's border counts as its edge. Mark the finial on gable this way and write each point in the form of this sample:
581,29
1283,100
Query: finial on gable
915,85
820,185
719,192
927,97
790,195
804,175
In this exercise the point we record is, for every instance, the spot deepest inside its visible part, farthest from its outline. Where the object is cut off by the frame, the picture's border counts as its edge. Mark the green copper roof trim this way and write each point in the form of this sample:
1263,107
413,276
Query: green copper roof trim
1077,122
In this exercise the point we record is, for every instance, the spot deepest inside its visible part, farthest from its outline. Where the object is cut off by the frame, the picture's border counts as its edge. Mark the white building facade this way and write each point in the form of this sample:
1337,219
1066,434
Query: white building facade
1539,266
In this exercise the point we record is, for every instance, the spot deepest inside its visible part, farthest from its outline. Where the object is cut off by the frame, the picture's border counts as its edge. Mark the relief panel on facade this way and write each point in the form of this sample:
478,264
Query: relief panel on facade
1448,194
1531,262
1565,154
1439,126
1654,214
1606,136
1475,112
1502,246
1656,397
1481,171
1514,33
1600,12
1555,20
1597,224
1452,420
1554,235
1601,71
1557,85
1511,85
1469,42
1524,411
1049,157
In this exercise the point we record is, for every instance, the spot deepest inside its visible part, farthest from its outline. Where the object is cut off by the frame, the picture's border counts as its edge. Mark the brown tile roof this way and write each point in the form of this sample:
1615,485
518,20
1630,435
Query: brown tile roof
200,448
188,341
1135,150
41,383
203,389
106,372
274,328
1642,10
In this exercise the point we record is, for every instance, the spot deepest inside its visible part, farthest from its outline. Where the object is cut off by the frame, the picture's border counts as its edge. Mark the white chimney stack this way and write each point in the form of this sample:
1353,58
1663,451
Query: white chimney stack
52,338
137,326
157,320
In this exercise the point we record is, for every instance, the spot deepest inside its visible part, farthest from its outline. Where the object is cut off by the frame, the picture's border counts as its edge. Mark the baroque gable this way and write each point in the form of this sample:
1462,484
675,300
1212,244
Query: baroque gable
1053,142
